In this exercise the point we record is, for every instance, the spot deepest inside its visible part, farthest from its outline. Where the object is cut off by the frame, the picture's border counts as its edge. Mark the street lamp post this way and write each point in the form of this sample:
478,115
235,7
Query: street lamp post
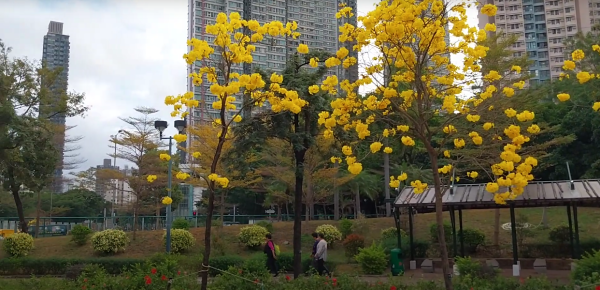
180,125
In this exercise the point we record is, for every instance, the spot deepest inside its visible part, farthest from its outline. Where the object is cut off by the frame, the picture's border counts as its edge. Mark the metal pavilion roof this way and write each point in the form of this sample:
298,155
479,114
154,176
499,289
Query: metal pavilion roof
547,193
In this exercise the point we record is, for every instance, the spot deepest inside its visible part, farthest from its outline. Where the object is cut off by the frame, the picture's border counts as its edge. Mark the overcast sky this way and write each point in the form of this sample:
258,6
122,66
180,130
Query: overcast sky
124,53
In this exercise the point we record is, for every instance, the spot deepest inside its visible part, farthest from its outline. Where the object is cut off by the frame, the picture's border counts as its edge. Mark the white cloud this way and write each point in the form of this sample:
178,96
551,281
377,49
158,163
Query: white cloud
123,54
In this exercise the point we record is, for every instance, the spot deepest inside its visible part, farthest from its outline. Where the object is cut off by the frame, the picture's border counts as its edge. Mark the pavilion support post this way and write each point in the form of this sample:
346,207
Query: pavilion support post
460,229
453,222
571,243
576,224
513,230
411,241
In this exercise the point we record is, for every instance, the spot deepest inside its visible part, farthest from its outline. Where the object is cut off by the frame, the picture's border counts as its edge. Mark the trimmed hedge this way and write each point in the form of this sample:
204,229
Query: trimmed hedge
58,266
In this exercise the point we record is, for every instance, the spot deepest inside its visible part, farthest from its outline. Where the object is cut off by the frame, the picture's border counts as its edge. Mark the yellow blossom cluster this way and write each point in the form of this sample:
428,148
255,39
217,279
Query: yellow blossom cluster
395,181
222,181
165,157
411,37
570,66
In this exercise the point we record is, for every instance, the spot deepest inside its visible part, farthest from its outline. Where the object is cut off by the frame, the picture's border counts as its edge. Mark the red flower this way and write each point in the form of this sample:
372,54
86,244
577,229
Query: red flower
85,280
148,281
256,281
334,281
598,287
163,277
178,273
240,272
83,287
153,271
393,288
287,278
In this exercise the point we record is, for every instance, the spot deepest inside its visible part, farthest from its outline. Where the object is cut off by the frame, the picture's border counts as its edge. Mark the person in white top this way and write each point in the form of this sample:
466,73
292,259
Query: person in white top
321,256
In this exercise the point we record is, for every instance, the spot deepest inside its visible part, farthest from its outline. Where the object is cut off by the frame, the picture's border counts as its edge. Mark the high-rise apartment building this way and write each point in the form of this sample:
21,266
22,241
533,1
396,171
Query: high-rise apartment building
542,27
56,55
316,22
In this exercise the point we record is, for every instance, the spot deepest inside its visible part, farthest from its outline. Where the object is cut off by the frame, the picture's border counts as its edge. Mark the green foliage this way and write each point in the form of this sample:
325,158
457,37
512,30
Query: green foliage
331,233
109,241
256,265
474,269
345,227
181,223
473,238
252,236
372,260
433,233
352,244
80,234
181,240
224,263
560,235
360,226
586,266
267,225
59,266
18,244
392,232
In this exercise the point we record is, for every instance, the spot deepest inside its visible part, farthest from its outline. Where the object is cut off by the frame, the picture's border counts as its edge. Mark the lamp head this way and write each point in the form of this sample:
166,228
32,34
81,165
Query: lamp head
180,125
161,126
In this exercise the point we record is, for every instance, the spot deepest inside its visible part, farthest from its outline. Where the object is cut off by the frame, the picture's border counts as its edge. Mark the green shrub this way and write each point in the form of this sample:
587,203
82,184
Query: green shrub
586,266
181,224
80,234
267,225
474,269
360,226
372,260
18,244
252,236
224,263
181,240
392,232
60,266
345,227
352,244
109,241
560,235
331,233
256,265
433,233
286,261
473,239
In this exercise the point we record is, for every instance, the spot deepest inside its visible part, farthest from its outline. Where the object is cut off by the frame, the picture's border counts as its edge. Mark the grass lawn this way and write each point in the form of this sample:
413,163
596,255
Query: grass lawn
148,243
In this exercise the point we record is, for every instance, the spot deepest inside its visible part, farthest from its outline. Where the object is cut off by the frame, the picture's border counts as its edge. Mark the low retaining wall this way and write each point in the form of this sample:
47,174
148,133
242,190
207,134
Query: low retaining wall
505,263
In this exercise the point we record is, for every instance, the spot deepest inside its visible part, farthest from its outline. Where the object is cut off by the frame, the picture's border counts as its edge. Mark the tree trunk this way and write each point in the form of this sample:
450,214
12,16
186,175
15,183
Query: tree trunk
209,215
157,213
439,216
278,212
135,210
37,214
386,181
19,205
299,157
306,217
312,210
357,201
496,240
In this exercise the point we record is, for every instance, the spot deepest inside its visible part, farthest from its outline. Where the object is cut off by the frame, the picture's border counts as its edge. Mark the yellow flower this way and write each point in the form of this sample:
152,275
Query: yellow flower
533,129
151,178
516,68
492,187
596,106
472,174
473,118
419,187
237,118
492,76
519,85
407,141
510,112
489,9
314,62
459,143
275,78
402,177
509,92
355,168
477,140
180,138
182,175
446,153
167,200
196,154
445,169
402,128
222,181
347,150
569,65
394,183
578,55
488,126
525,116
303,48
336,160
563,97
313,89
375,147
449,129
387,150
490,27
584,77
165,157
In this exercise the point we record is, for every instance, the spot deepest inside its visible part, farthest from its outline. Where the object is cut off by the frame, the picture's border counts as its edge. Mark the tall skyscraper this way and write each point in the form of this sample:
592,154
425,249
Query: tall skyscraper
56,55
316,21
542,27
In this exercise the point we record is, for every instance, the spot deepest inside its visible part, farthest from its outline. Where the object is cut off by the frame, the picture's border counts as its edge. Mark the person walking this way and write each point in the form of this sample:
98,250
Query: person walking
321,255
314,250
271,256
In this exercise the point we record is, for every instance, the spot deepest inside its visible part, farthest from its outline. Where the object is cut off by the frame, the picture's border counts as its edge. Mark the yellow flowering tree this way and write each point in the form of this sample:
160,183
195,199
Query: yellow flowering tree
233,45
422,96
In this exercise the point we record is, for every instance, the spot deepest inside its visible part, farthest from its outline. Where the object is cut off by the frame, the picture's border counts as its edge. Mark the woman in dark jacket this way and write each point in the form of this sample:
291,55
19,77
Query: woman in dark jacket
271,256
